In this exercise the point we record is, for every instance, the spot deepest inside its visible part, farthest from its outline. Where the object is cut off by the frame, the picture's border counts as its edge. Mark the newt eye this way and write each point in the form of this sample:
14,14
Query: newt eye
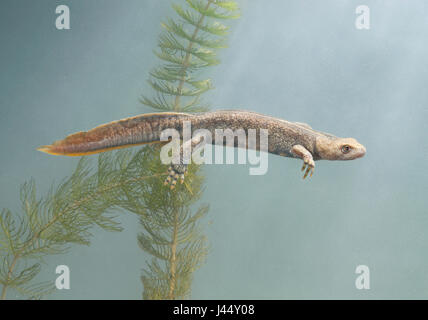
346,148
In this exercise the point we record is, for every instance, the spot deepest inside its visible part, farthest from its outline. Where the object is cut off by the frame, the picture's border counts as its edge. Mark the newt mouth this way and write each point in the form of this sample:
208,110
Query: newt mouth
361,153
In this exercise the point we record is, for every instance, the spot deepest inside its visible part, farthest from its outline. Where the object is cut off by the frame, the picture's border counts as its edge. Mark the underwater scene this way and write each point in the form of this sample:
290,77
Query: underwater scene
213,149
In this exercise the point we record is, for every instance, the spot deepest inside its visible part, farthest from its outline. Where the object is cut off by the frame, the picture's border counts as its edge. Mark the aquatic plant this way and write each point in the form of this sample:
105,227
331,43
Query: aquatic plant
171,232
64,216
128,179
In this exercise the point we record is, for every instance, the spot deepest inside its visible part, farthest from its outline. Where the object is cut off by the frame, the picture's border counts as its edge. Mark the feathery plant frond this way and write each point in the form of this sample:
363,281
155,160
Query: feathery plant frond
186,46
170,229
63,217
171,226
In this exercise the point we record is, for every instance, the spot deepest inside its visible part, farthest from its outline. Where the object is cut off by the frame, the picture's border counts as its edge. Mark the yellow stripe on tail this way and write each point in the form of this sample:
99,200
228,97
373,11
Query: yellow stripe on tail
129,132
50,149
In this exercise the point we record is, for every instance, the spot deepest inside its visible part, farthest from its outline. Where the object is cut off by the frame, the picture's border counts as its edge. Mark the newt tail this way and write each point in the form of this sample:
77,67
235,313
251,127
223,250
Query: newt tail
129,132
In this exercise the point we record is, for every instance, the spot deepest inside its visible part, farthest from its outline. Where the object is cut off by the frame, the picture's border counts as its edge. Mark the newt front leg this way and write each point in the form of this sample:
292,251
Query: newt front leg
308,161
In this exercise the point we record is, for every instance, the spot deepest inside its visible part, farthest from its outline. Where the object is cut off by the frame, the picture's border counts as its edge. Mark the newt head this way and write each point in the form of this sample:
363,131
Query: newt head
339,148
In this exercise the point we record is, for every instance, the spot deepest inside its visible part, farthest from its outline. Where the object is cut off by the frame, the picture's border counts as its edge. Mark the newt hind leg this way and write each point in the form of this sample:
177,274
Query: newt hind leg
178,169
175,171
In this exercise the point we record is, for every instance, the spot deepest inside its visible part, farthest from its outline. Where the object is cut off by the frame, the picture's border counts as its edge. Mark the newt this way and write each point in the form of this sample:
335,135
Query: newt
285,138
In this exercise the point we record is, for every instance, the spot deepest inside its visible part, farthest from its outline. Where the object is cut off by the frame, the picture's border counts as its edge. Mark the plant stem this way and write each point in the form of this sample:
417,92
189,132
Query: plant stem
173,261
187,58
